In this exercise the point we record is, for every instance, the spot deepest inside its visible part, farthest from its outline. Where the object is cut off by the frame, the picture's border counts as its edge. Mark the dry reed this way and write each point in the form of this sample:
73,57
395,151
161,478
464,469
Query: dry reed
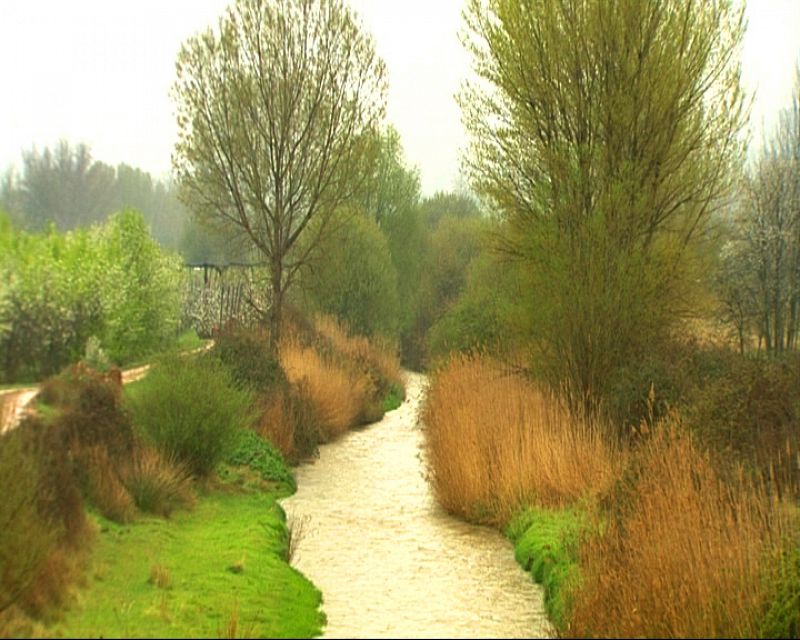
276,425
495,443
338,394
683,553
376,352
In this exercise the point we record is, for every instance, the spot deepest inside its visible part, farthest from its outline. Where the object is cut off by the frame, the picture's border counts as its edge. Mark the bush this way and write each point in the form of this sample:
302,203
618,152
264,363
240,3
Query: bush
58,290
27,535
246,352
191,409
259,455
89,422
156,483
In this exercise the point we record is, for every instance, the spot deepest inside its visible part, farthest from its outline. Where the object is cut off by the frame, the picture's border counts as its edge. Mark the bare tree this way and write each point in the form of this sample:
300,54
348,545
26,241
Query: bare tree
768,275
274,112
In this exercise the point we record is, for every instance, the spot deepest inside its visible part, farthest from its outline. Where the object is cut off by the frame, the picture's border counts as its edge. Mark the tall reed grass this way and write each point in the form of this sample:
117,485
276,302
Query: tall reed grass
676,545
496,443
338,394
684,553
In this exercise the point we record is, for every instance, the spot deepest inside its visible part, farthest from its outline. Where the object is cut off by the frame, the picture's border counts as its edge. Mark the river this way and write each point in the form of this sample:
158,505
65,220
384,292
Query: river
388,560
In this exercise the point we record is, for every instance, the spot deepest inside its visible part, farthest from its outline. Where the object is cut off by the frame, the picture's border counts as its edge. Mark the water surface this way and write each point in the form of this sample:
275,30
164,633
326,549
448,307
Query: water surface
388,560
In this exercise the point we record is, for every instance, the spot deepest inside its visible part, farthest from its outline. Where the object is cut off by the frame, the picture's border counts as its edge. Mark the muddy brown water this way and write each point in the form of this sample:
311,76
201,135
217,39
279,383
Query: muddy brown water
388,560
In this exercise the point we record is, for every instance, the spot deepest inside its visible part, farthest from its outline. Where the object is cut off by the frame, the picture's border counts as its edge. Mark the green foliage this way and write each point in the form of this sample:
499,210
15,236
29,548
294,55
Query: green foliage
394,398
484,315
353,277
247,354
259,455
142,289
782,617
604,207
192,410
546,543
59,290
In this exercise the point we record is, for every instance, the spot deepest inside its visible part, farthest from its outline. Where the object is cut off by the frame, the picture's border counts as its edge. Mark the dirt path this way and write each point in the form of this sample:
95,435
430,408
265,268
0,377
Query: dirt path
15,403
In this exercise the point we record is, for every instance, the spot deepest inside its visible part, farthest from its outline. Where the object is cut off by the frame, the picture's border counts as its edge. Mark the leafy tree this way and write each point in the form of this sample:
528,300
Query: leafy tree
64,186
456,205
604,134
391,188
354,278
274,111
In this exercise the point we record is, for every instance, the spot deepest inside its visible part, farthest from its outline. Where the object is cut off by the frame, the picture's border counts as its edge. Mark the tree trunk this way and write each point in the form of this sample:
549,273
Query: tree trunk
276,307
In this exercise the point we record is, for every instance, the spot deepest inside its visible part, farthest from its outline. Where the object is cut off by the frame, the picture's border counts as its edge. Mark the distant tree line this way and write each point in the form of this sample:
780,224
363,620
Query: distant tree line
66,187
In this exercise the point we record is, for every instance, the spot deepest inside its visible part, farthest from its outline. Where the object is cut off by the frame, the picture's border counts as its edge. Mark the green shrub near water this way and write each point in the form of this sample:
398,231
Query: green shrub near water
192,409
255,452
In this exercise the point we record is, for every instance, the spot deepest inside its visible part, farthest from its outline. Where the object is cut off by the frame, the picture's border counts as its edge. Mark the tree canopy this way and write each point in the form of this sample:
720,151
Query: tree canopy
275,109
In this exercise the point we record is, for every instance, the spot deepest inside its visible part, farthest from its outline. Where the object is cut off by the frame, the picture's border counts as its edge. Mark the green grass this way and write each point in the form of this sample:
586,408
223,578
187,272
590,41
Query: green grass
224,559
394,399
545,543
186,341
18,385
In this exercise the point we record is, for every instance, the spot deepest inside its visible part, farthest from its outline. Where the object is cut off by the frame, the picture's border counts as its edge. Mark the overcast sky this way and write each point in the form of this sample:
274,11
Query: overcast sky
99,72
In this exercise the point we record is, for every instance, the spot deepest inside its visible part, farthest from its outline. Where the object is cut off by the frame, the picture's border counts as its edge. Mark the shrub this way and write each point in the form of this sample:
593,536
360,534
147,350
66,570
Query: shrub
191,410
27,536
246,352
90,411
156,483
59,290
259,455
103,486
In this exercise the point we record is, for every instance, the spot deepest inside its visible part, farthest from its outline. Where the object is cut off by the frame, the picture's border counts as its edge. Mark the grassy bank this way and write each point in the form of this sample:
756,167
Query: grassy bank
158,499
219,570
653,536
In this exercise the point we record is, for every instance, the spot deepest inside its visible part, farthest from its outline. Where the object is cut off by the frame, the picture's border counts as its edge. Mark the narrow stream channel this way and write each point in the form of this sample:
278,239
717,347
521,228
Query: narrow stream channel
388,560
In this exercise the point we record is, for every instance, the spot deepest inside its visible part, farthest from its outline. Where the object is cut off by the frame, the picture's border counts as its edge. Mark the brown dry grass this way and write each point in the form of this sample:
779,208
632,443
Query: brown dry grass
157,483
379,353
104,487
495,443
684,552
276,425
338,394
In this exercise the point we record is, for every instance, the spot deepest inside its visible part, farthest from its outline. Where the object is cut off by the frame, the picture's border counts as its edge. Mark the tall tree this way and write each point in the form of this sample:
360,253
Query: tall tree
65,186
603,132
761,279
274,113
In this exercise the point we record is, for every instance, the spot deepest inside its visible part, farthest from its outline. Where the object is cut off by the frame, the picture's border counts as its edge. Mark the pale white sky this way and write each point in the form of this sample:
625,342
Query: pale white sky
99,71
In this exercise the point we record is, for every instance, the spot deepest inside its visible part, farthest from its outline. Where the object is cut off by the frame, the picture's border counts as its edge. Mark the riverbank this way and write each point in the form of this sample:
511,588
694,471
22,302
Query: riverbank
653,537
219,570
164,513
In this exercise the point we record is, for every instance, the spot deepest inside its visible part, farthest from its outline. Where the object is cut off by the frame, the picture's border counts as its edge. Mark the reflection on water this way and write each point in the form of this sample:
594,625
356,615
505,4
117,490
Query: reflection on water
388,560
